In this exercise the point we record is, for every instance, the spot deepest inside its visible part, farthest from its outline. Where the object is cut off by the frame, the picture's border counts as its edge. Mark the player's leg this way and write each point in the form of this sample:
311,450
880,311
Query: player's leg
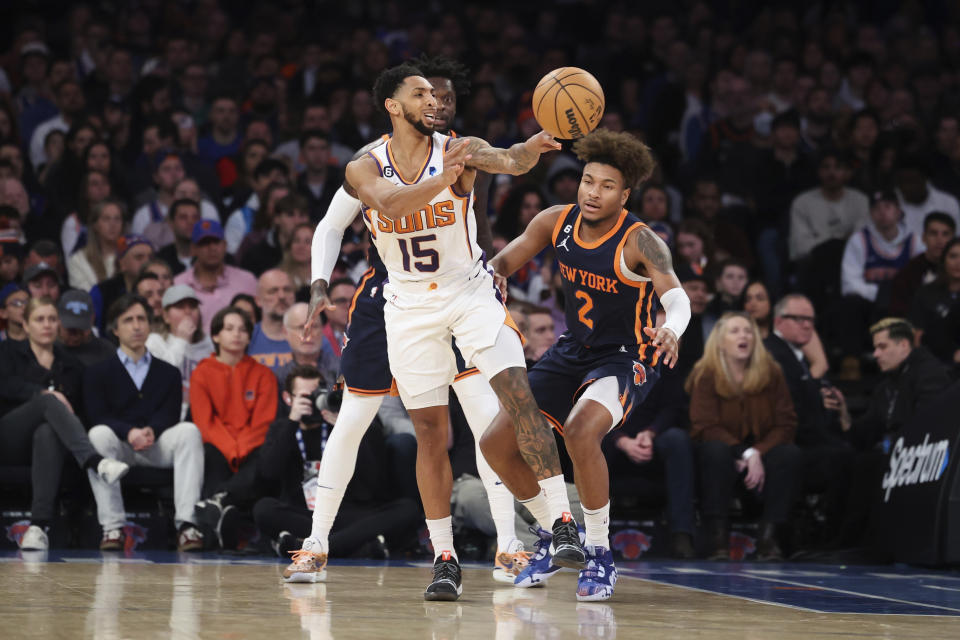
480,407
598,410
430,416
534,438
340,459
367,378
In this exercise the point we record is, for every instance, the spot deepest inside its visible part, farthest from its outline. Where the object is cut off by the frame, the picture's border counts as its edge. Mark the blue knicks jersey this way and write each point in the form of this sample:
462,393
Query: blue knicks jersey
606,304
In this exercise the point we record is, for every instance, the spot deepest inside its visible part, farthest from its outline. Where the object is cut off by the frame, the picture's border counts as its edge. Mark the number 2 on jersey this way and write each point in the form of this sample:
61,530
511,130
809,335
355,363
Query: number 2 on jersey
432,262
585,308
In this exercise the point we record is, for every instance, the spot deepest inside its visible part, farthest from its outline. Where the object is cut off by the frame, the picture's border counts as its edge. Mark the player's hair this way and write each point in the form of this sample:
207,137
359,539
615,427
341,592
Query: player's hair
620,150
445,67
389,81
761,367
898,328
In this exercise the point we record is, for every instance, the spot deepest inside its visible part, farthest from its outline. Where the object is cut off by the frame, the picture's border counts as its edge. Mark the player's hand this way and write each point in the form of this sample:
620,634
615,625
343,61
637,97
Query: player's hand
665,340
319,301
541,143
501,284
455,159
755,473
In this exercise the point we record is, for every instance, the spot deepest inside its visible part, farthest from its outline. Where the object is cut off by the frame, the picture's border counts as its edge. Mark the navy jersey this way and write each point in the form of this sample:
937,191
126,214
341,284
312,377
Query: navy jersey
606,304
880,266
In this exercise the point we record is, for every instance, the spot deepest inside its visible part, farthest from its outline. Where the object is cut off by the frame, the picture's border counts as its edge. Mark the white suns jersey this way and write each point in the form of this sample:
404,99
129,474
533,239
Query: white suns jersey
438,242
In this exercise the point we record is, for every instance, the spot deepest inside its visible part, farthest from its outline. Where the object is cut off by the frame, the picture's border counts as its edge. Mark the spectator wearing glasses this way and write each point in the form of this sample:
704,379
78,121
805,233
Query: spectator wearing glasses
134,402
820,406
13,298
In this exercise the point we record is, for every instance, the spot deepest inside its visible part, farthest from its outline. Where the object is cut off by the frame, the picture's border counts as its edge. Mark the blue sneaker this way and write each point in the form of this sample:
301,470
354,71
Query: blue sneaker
540,567
596,581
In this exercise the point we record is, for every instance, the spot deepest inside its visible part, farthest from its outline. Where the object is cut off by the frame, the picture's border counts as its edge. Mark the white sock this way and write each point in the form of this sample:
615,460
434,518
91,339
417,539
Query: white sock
480,407
556,490
339,460
597,524
441,536
539,508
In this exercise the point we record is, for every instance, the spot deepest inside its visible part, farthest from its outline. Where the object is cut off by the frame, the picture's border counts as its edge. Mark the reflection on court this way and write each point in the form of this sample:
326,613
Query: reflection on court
165,595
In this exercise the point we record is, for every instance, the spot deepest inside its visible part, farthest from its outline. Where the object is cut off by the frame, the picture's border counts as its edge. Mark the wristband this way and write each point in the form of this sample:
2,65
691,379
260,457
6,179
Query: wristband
749,453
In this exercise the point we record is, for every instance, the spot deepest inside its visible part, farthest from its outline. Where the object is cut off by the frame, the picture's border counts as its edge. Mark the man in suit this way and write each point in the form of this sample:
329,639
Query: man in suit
820,406
134,402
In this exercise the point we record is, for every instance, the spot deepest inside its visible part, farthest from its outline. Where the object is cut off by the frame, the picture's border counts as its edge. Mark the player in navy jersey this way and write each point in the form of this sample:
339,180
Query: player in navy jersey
616,273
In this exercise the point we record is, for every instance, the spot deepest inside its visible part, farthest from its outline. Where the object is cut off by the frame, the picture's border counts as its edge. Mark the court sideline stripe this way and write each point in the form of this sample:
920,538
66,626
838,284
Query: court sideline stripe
854,593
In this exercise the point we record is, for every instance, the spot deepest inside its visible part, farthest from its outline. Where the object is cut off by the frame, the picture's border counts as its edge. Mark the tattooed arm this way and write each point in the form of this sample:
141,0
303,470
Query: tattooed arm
515,161
646,253
534,435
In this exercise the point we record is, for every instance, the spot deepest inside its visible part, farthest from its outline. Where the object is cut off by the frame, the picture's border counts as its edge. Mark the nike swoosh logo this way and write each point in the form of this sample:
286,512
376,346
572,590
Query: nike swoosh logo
497,483
323,486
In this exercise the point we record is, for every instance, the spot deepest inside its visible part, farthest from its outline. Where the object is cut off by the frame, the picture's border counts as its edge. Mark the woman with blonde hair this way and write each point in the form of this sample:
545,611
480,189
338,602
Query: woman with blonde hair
97,261
744,420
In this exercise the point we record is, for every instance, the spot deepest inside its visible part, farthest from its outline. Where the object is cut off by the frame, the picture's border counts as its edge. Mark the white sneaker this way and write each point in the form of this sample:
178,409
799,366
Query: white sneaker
110,470
34,539
510,562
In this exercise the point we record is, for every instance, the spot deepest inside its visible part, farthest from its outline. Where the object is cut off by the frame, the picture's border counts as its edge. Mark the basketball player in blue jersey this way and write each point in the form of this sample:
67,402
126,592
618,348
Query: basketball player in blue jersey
417,196
366,370
616,272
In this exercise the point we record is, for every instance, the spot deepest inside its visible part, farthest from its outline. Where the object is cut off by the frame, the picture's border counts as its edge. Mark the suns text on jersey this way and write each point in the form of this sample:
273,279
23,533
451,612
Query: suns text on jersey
438,214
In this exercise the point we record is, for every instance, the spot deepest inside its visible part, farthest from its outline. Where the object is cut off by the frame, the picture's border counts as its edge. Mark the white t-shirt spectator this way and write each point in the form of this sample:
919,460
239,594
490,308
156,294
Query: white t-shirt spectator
814,219
913,214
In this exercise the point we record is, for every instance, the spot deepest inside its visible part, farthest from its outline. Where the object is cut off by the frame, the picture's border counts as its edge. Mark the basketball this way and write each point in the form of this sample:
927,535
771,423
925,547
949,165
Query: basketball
568,103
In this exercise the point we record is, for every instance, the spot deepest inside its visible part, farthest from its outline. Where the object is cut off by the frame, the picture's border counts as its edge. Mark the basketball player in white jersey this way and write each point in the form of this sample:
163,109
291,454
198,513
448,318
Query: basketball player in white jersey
417,193
367,381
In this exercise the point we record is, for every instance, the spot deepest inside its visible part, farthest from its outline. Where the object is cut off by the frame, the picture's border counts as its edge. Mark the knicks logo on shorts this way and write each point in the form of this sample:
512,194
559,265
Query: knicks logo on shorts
639,374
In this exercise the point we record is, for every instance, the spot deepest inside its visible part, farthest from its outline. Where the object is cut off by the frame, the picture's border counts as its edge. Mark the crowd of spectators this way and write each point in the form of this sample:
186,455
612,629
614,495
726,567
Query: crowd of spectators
162,166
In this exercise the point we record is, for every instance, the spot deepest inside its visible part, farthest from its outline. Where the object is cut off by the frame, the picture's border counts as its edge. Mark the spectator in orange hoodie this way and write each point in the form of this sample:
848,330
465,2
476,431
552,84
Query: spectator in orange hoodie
233,399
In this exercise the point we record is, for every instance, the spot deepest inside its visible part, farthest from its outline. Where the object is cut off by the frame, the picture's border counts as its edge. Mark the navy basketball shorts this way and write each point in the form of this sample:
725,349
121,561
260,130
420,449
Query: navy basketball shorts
565,371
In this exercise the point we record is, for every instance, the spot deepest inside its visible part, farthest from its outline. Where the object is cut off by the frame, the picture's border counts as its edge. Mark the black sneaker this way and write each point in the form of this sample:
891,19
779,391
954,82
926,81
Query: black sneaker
446,579
567,546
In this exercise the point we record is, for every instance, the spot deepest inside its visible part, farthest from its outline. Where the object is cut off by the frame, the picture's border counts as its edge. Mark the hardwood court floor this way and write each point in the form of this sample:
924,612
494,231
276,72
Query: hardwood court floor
88,596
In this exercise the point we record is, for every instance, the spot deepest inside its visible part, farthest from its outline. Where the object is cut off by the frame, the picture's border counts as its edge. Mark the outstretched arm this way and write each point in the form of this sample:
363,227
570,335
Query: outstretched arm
534,238
515,161
395,201
648,251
